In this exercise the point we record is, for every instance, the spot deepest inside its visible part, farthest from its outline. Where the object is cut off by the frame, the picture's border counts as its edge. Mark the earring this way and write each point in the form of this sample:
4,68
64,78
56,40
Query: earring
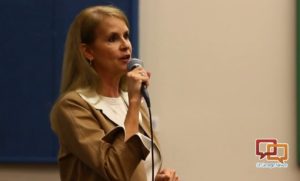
90,62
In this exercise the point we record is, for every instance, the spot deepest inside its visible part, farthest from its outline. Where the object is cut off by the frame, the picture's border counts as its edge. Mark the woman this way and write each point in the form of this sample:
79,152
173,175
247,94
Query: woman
100,118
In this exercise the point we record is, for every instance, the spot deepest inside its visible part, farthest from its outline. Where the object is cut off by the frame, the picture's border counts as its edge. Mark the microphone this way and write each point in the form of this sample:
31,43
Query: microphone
134,63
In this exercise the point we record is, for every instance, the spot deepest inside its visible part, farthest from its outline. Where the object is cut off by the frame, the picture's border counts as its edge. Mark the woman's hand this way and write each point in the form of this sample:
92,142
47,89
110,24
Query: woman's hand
135,78
167,175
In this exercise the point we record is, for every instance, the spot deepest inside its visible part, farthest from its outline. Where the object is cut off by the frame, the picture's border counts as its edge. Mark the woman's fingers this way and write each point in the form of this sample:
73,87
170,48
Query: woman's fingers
167,175
135,79
139,75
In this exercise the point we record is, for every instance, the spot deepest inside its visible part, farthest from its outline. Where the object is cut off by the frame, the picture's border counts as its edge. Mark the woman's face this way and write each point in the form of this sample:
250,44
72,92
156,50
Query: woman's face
111,49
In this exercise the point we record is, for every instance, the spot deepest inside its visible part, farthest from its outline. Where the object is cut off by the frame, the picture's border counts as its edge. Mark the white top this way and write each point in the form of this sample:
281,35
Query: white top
115,108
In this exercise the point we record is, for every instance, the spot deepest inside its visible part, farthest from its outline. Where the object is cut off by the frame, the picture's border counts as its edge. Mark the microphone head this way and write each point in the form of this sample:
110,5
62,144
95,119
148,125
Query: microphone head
133,63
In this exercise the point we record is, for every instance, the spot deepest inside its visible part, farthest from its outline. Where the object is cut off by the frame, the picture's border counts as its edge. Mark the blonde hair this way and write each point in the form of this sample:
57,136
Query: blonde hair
76,71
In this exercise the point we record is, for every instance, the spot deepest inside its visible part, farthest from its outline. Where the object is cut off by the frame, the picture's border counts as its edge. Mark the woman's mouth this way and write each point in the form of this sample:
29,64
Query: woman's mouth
125,58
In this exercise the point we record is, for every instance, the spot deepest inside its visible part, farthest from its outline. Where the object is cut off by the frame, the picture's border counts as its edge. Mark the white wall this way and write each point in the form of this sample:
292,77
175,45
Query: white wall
223,75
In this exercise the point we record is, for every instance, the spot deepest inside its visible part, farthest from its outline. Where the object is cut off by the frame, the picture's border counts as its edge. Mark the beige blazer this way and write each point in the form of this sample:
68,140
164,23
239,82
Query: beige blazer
92,146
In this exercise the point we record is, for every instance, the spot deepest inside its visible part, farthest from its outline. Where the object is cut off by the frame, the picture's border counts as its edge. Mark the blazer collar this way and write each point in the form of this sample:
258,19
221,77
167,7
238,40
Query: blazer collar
96,100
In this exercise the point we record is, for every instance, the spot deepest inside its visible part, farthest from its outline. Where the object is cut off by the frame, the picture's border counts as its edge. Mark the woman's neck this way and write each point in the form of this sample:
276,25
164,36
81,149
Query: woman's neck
110,87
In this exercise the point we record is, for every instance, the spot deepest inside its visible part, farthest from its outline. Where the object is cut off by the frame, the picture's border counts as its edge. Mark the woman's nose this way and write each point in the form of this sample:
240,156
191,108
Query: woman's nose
125,45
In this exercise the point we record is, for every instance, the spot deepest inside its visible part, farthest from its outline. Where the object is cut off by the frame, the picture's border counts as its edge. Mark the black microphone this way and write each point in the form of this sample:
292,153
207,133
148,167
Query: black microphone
134,63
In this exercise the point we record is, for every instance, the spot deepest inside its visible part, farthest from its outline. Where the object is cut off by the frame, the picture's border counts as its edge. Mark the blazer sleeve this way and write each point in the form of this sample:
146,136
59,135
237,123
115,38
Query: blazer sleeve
107,153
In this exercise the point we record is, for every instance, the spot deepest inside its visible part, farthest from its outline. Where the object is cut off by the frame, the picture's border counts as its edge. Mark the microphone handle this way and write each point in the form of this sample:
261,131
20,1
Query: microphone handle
145,94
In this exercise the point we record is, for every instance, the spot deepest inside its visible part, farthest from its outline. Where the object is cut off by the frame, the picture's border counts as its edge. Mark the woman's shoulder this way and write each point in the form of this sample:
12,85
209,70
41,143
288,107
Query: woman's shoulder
69,98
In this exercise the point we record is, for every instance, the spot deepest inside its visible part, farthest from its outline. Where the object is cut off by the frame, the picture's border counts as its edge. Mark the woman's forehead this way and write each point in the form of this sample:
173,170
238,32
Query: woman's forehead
112,24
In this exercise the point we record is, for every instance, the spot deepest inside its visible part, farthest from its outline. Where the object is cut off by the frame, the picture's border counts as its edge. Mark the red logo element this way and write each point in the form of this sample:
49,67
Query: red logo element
264,154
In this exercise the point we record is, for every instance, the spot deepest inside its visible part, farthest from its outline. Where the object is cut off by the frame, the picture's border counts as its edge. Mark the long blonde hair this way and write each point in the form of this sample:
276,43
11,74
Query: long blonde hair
76,72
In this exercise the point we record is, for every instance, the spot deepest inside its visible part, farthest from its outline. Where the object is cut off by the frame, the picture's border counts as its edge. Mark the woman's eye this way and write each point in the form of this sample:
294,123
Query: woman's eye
126,36
113,38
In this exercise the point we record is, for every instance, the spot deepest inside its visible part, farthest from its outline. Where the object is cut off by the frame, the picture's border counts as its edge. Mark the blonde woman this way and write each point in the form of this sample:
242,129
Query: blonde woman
100,118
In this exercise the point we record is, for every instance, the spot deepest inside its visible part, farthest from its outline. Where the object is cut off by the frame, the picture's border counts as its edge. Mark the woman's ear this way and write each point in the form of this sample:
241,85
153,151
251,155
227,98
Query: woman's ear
87,52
